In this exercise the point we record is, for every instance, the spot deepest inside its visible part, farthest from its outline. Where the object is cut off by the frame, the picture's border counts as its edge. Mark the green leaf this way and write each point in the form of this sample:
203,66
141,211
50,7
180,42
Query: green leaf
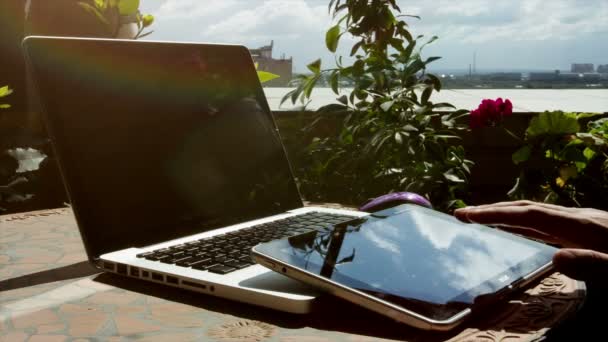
409,16
95,11
5,91
586,115
436,82
446,136
266,76
516,189
332,37
343,99
426,94
291,95
5,106
297,93
333,81
315,66
101,4
397,44
589,153
414,67
407,53
358,68
309,85
433,38
521,155
128,7
457,204
147,20
591,139
452,177
398,138
356,47
386,106
332,108
599,126
431,59
552,123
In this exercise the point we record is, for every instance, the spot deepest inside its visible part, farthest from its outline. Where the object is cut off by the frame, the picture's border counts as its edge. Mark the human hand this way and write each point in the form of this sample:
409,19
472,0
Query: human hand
583,231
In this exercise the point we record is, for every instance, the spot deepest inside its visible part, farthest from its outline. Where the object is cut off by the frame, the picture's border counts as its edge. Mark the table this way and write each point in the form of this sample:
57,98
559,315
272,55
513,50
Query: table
49,292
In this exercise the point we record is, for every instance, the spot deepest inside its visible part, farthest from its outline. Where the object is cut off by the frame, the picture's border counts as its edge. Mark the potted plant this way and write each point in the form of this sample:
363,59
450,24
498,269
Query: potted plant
394,137
87,18
564,160
130,23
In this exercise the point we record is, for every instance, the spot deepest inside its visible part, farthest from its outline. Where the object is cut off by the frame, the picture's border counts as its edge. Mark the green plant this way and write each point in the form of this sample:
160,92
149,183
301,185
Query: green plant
8,165
564,160
265,76
104,10
393,136
5,91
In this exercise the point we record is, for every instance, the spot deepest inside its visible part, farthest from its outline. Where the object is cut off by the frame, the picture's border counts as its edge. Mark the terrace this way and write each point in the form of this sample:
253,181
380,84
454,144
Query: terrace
48,290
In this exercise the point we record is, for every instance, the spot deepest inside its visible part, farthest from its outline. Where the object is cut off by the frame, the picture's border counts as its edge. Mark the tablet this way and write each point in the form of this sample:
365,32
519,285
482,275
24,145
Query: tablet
413,264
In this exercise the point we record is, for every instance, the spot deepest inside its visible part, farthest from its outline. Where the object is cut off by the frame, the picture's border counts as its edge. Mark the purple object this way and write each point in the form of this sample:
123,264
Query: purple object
396,198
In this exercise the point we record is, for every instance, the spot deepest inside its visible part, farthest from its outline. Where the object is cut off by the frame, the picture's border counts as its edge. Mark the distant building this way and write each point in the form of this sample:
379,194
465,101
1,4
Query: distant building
591,77
502,76
570,77
582,68
282,67
544,76
602,69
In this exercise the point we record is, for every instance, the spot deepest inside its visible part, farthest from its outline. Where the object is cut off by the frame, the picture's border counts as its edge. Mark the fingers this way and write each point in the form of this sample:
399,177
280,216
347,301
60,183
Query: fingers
547,222
534,234
519,216
521,203
582,264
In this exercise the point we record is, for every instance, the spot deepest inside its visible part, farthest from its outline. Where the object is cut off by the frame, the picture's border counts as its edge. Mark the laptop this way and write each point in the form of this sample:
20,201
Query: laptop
173,164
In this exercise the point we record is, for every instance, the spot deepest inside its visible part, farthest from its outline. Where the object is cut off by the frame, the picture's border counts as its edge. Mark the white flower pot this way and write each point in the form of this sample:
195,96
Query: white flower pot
127,31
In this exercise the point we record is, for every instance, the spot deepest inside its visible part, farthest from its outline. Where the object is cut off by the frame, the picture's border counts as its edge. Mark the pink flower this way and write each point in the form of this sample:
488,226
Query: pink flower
490,113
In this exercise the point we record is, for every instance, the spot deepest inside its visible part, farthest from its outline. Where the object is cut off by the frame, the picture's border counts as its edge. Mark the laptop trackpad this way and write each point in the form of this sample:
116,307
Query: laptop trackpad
273,281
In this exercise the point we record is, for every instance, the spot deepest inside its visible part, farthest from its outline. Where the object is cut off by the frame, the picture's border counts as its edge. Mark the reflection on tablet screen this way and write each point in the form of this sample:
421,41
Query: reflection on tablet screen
417,256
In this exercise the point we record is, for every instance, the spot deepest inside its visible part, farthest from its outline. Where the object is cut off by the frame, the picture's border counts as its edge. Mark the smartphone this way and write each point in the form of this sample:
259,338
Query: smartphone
413,264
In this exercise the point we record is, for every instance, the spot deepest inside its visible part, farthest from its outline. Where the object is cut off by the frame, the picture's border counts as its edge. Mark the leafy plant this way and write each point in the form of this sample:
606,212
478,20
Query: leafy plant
8,165
393,136
103,9
564,160
265,76
5,91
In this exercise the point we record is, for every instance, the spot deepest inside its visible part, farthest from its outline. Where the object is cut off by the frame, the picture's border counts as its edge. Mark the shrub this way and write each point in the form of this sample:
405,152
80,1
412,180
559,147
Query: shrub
564,160
393,137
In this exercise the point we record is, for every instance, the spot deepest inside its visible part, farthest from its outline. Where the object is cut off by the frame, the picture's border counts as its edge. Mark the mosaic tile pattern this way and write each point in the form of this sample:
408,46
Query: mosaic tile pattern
48,292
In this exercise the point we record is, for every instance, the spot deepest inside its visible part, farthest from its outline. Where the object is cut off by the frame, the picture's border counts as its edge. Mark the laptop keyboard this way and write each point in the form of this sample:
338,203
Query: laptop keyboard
229,252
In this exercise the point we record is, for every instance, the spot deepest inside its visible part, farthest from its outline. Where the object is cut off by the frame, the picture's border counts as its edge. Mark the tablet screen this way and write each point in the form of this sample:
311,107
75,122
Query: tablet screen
416,258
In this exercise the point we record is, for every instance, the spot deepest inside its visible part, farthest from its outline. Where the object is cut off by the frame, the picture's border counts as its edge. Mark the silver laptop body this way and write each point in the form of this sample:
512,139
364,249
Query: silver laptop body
169,150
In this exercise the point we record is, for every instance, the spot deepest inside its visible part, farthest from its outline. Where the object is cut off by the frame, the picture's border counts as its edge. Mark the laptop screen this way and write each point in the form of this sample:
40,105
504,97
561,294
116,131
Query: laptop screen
159,140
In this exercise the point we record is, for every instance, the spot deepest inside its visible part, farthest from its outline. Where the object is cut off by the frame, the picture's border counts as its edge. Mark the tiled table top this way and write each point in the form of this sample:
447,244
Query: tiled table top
48,292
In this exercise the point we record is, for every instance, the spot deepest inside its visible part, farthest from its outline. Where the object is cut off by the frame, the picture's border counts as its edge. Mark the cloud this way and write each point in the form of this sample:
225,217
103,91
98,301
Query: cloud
194,9
479,21
270,19
298,28
469,8
384,240
244,21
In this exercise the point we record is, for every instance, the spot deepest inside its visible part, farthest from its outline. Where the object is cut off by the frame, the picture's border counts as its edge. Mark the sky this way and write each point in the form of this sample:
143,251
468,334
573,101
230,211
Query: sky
503,34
